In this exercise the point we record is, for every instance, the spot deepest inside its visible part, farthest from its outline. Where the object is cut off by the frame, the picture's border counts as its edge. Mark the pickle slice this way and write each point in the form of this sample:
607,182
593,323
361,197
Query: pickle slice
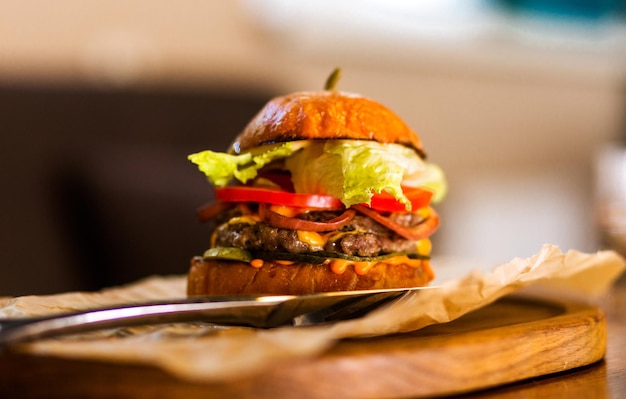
228,253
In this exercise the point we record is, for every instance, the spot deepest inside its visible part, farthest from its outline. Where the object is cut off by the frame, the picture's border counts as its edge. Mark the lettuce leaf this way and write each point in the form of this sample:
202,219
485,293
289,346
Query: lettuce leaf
221,168
354,171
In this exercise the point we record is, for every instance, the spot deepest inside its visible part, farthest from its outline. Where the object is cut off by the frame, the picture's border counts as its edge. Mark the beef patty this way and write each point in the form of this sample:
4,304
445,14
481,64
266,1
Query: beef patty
362,236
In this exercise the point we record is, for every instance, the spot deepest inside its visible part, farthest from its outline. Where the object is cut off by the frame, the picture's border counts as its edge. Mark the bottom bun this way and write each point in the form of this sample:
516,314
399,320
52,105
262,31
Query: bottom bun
220,277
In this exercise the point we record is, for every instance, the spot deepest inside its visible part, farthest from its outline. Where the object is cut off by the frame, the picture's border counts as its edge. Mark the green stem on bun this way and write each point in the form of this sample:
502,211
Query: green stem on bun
332,80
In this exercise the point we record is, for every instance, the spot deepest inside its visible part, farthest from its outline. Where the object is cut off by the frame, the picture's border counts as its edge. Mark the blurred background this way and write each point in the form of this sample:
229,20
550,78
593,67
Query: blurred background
100,103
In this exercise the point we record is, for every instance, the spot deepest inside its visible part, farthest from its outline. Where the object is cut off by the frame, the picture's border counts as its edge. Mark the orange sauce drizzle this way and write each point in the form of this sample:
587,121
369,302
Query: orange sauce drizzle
339,266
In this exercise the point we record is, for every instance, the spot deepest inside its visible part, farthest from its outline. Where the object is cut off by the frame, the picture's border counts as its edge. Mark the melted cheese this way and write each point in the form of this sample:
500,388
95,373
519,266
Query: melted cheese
318,241
424,246
287,211
424,212
245,219
315,240
213,238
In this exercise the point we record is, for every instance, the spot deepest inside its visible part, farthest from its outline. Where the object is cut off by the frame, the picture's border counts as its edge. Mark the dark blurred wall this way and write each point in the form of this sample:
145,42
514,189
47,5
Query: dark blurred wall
96,187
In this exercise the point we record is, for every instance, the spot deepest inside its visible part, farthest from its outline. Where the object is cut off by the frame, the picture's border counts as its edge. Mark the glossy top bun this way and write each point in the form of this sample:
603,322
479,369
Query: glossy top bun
325,115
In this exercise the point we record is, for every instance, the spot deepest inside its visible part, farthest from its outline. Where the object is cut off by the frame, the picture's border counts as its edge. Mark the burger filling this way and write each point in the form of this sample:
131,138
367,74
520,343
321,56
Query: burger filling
335,202
361,236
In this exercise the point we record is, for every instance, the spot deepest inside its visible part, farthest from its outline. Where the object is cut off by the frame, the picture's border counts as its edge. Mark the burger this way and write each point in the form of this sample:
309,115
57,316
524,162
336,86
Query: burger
322,191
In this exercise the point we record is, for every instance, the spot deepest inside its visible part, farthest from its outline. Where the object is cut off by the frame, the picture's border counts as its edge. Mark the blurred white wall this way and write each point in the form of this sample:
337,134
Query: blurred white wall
514,110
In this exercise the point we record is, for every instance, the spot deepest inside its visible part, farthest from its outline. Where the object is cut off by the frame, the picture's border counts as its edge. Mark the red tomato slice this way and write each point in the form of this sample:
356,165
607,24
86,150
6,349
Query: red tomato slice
385,202
276,197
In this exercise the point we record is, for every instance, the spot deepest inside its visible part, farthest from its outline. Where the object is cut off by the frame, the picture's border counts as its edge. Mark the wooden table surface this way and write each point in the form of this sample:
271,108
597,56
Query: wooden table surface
605,379
36,377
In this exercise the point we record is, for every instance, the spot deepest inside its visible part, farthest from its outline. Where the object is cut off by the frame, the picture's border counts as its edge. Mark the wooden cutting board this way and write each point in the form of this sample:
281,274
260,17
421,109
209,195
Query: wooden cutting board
514,339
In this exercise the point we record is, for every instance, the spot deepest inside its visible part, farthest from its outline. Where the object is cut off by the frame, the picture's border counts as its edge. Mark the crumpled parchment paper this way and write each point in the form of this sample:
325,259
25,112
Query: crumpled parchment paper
209,353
